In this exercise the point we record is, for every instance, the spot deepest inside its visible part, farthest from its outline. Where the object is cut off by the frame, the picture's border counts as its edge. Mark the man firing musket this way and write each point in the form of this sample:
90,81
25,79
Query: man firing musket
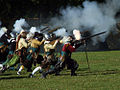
70,45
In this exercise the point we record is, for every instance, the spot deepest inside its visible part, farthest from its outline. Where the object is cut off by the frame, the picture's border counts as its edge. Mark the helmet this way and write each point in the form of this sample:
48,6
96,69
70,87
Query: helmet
38,36
47,36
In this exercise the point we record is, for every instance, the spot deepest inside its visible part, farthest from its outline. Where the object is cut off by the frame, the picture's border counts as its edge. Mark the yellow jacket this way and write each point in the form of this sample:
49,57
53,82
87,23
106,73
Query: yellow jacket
35,43
48,46
22,43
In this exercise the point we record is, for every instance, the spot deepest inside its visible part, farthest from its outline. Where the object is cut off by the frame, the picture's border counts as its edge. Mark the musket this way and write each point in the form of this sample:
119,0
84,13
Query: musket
54,29
86,38
89,37
47,30
44,29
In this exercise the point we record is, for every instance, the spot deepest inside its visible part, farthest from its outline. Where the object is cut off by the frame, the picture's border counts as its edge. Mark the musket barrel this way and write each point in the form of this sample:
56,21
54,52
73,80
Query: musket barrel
93,35
50,31
44,29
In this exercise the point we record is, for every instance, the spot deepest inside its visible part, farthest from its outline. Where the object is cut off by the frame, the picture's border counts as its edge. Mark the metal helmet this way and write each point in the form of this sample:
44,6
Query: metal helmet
47,36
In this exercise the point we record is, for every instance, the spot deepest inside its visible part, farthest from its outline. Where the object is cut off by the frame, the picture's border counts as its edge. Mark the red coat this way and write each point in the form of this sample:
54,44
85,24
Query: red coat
68,47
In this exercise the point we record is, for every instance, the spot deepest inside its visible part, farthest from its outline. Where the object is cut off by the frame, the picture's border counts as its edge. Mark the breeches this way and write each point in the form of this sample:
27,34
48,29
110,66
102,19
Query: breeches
71,64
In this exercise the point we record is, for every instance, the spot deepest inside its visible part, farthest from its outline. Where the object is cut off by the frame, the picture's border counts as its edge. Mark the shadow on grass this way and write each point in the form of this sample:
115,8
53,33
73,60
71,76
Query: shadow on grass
5,74
86,72
83,69
105,72
13,77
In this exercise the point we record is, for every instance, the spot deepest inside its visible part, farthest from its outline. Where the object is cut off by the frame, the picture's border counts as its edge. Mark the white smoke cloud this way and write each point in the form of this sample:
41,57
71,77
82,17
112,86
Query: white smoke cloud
19,24
97,17
33,29
32,32
61,32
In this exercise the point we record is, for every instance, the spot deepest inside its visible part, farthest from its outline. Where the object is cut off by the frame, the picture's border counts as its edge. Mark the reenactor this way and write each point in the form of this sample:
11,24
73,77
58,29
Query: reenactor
49,55
32,51
65,57
19,53
11,48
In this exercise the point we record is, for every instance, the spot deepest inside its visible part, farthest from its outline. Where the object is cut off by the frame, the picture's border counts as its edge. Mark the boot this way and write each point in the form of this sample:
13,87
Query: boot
18,73
57,74
43,75
30,76
73,73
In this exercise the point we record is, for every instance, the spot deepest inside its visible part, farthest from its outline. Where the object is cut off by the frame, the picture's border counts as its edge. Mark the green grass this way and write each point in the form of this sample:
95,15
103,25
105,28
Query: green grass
104,75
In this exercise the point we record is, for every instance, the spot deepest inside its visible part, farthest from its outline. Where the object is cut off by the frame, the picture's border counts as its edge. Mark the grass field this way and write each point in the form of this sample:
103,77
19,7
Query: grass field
104,74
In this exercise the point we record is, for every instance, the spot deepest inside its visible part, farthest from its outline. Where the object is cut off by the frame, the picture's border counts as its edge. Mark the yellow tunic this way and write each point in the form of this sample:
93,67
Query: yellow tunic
22,43
35,43
49,46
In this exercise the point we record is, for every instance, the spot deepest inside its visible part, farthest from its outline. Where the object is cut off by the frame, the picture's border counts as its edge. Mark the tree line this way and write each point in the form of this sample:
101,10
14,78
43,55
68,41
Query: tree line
10,10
